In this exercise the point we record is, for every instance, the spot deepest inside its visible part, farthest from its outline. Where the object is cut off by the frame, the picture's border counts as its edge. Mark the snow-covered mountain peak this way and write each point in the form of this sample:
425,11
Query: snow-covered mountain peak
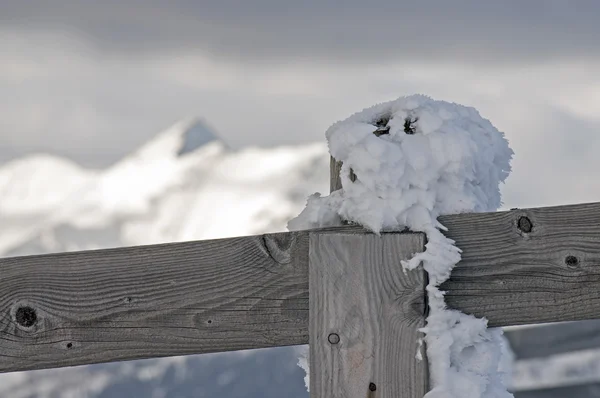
195,134
157,166
184,184
182,140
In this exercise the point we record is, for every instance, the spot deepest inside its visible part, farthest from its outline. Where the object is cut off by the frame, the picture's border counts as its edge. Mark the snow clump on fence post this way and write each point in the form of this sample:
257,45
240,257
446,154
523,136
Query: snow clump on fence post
405,163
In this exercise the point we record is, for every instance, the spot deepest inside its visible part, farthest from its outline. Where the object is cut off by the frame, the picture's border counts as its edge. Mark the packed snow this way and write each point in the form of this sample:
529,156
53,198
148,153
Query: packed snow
428,158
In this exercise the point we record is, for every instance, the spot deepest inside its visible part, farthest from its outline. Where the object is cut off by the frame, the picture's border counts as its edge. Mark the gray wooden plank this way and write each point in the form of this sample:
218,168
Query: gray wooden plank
156,301
364,316
578,391
153,301
511,277
545,340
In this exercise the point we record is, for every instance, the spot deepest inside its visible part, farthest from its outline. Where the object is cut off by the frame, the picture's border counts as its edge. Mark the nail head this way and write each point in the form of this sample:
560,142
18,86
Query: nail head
333,338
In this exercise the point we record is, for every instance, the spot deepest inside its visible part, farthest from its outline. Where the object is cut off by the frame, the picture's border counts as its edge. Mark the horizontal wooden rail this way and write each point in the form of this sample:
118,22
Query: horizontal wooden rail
527,266
518,267
152,301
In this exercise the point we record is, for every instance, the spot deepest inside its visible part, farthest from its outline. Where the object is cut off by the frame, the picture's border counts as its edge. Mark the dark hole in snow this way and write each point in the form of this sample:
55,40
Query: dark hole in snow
352,175
383,121
410,125
26,316
194,137
382,125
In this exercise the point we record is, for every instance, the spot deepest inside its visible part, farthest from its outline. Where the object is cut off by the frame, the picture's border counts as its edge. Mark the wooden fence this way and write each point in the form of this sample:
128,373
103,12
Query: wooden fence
342,290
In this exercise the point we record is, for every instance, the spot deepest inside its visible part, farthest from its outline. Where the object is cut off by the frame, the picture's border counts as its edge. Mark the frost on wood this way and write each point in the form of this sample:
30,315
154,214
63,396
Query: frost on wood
413,160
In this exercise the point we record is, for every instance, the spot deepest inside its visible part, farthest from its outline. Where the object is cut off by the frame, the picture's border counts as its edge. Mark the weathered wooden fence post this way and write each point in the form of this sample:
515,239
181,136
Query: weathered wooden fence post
365,313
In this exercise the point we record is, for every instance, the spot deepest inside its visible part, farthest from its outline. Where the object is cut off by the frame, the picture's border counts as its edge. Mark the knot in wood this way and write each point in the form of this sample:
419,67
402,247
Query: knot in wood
26,316
524,224
571,261
372,387
279,247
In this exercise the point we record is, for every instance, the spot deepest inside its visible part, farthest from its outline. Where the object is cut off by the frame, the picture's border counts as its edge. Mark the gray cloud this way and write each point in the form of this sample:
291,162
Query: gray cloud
512,31
93,80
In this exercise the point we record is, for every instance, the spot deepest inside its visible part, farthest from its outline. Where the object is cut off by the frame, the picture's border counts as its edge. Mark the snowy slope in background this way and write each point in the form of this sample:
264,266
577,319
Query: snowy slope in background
37,184
31,189
185,184
265,373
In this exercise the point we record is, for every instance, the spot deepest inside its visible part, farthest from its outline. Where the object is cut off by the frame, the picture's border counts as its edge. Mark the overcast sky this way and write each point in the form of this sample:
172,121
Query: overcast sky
92,80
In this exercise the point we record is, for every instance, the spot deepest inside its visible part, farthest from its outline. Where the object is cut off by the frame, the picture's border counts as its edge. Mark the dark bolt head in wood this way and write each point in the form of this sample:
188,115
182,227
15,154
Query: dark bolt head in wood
572,261
26,316
372,387
333,338
524,224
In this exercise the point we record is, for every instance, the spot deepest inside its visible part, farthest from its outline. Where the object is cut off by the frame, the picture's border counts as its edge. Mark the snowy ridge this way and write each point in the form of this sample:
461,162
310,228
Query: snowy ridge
30,185
428,158
129,186
185,184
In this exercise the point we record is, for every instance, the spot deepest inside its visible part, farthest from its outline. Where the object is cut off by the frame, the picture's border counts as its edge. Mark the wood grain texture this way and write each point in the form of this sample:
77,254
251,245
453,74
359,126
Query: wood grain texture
335,181
512,277
579,391
545,340
153,301
359,292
